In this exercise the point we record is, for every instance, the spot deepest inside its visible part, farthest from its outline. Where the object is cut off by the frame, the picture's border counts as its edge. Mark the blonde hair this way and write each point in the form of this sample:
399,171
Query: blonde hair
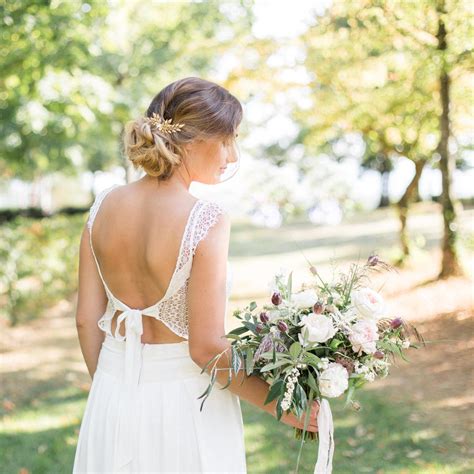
207,110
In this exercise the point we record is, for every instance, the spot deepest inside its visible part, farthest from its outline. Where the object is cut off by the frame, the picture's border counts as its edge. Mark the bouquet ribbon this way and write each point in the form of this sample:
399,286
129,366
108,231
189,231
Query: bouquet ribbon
326,439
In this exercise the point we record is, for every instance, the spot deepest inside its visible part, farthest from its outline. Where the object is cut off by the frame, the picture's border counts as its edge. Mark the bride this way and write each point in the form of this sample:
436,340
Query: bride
153,293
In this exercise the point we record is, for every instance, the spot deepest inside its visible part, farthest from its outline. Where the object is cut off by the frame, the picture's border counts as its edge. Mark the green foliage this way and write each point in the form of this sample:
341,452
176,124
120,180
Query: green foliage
73,73
38,261
378,67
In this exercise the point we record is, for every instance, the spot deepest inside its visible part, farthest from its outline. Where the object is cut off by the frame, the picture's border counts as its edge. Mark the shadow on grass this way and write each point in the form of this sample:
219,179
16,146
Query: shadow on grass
42,438
250,242
380,438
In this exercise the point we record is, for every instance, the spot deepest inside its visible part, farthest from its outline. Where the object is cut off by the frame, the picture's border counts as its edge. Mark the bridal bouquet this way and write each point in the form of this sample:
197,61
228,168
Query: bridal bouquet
326,340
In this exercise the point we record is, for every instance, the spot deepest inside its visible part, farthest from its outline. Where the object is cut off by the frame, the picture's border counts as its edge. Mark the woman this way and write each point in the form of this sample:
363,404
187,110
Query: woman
153,291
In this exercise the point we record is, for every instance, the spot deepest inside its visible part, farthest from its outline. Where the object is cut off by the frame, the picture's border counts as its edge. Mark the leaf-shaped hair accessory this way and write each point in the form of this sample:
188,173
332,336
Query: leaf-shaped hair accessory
164,126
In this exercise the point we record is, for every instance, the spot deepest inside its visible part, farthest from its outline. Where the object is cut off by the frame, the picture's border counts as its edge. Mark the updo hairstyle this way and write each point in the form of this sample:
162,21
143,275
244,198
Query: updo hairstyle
207,110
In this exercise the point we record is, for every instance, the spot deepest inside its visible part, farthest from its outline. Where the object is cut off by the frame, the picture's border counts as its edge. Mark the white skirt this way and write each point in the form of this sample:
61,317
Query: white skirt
167,432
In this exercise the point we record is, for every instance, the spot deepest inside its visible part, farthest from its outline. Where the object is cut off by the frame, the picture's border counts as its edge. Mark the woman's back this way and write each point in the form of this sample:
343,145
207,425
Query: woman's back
137,234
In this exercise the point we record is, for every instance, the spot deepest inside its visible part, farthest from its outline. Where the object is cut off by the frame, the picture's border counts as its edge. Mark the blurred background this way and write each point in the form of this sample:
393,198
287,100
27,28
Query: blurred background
357,137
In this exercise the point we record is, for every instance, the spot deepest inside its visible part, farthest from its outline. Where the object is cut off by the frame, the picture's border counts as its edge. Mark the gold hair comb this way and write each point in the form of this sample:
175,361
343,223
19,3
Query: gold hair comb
164,126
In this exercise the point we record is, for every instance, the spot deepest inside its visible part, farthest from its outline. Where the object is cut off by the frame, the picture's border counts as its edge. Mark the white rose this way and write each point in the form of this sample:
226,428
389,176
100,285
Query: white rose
304,299
320,328
368,303
363,336
334,380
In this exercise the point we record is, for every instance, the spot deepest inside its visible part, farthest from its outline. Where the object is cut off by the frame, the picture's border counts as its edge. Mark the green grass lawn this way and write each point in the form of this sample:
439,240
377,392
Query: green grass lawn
383,437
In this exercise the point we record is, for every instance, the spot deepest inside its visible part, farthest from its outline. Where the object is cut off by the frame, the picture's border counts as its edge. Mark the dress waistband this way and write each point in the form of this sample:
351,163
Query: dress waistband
161,362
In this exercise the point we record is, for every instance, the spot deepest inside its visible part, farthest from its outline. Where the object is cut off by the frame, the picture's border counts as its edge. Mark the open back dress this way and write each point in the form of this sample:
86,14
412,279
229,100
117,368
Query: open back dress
143,413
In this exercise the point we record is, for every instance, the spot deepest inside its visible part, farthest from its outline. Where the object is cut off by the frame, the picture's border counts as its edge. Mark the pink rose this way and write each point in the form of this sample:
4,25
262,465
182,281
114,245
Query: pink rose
363,336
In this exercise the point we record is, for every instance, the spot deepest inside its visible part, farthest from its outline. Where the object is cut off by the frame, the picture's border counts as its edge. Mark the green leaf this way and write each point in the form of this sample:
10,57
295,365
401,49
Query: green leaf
236,360
239,330
295,349
350,393
312,359
312,382
302,396
249,363
273,365
249,326
252,306
276,390
335,343
235,337
279,410
289,285
229,380
210,362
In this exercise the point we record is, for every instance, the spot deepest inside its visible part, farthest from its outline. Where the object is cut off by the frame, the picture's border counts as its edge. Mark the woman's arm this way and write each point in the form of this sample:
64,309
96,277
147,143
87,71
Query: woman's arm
206,305
91,304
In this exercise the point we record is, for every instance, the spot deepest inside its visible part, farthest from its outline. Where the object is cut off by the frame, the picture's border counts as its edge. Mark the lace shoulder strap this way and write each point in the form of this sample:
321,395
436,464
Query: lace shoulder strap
207,217
203,216
96,204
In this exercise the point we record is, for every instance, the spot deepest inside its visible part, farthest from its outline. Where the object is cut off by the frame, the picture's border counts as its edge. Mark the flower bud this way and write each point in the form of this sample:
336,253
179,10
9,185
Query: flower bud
396,323
264,317
259,328
355,405
373,260
378,354
318,307
313,270
282,326
276,298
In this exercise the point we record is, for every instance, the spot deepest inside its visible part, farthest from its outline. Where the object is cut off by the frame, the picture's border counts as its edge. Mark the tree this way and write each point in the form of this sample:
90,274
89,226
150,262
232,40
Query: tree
376,67
450,261
75,72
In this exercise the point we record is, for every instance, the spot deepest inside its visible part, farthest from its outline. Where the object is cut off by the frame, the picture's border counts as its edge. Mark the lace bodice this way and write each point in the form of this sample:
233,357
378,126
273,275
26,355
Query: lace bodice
172,308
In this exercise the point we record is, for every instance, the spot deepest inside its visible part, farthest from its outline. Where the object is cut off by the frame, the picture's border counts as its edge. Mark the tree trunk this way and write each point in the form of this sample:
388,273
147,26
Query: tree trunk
416,194
403,206
384,199
450,262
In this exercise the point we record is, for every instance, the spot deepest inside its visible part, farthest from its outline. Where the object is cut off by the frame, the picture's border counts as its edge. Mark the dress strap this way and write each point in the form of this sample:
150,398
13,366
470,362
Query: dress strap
96,205
90,222
207,217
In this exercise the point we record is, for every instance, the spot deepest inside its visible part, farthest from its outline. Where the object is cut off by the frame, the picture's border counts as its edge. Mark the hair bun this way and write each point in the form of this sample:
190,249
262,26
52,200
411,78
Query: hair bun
147,149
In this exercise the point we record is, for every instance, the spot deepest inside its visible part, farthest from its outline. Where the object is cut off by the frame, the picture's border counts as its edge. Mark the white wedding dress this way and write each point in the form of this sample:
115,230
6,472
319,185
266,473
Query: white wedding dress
143,413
